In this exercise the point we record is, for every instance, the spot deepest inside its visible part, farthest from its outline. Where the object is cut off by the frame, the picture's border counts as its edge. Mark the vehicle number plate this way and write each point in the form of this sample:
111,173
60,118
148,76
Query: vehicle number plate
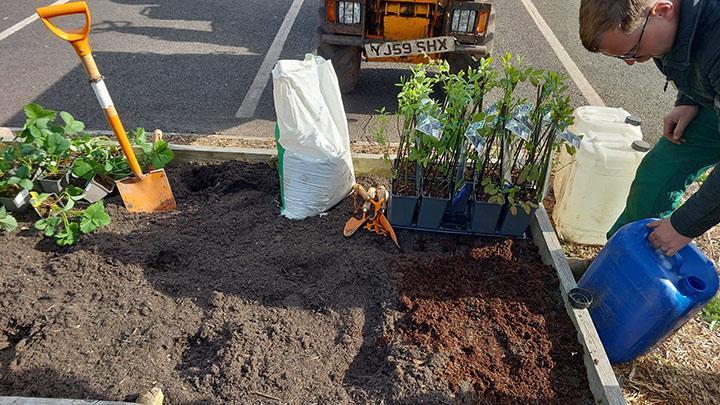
411,47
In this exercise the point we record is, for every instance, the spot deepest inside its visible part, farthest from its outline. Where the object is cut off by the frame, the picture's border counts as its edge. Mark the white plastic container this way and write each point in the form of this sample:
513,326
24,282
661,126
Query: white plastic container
592,186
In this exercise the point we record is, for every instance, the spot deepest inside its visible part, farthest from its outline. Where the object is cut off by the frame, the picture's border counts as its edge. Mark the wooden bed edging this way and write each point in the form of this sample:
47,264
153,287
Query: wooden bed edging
603,383
364,163
53,401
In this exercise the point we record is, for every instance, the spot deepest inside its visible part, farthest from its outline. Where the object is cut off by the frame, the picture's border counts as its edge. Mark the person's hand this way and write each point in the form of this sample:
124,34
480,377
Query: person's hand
666,238
676,121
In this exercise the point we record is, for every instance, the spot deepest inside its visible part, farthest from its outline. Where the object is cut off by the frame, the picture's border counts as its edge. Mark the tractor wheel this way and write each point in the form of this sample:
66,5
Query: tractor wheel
461,61
346,61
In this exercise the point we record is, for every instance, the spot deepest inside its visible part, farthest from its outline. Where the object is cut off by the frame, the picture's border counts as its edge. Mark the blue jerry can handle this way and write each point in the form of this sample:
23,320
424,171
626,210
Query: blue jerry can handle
673,262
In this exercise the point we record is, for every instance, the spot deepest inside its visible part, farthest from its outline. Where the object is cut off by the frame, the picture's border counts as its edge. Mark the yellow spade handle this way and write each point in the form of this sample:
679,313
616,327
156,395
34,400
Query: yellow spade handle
78,38
111,114
79,41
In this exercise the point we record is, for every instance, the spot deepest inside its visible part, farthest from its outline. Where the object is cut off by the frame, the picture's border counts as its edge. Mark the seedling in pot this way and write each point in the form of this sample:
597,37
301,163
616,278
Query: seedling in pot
14,189
412,99
64,222
55,161
549,118
95,172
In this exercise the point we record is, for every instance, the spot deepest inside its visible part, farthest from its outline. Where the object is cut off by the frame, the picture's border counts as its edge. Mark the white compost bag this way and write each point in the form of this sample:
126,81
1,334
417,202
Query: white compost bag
316,170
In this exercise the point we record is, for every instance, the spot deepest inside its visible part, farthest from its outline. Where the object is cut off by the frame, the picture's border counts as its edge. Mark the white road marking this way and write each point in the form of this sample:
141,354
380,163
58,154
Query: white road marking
252,98
577,76
17,27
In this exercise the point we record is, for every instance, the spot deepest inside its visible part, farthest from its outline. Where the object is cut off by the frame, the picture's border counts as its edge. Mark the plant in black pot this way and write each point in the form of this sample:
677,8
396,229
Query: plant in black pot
62,220
446,176
487,198
55,161
14,190
415,91
16,180
97,168
101,162
539,130
48,143
477,145
490,142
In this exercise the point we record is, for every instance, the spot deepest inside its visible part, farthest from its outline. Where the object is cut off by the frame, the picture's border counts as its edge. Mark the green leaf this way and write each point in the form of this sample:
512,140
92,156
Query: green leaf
162,154
74,193
68,235
26,184
48,225
41,224
94,218
36,199
570,149
7,221
56,144
36,132
83,169
138,136
71,125
69,204
35,111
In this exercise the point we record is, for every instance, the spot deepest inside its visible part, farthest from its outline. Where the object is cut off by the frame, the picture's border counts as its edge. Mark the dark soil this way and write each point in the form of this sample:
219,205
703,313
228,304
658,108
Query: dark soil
53,176
224,301
11,192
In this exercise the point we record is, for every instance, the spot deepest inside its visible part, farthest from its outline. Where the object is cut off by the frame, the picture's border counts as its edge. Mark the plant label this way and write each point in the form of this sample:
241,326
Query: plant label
473,136
522,112
570,138
519,128
429,126
493,110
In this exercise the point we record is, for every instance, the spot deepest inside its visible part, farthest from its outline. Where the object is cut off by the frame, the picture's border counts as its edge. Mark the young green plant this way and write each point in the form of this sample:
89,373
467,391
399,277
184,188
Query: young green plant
64,222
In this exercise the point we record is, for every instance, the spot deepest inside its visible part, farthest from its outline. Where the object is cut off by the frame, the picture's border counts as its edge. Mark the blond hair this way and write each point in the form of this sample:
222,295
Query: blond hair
600,16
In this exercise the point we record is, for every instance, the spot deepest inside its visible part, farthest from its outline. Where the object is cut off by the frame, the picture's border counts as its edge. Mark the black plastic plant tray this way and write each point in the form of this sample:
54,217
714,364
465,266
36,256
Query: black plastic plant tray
457,225
457,231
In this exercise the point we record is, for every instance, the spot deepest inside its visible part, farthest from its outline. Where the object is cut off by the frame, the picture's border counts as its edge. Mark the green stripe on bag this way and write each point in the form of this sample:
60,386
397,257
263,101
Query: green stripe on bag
281,153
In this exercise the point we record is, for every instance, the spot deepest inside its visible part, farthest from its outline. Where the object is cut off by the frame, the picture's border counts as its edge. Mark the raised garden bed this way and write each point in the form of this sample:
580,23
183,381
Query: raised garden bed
225,301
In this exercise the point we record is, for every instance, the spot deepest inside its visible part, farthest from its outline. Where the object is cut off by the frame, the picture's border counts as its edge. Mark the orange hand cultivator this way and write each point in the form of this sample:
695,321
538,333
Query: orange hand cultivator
370,211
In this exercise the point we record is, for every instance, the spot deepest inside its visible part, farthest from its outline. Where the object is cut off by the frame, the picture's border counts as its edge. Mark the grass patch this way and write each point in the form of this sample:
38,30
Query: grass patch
711,313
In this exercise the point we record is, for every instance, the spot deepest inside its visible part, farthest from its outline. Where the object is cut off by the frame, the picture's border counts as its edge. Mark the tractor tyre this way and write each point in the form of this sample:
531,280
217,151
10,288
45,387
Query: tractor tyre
346,61
461,61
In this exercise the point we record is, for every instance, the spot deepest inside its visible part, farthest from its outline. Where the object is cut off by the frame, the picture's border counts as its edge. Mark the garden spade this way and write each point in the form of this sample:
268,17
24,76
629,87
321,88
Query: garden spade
144,192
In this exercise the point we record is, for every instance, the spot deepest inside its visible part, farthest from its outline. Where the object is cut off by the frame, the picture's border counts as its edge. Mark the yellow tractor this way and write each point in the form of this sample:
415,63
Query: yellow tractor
405,31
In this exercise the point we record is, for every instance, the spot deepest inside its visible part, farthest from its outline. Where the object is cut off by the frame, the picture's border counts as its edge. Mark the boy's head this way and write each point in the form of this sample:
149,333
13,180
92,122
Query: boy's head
632,30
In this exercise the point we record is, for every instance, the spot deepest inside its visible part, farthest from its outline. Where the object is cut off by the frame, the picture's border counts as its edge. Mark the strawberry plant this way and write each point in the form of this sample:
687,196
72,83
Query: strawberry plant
63,221
155,154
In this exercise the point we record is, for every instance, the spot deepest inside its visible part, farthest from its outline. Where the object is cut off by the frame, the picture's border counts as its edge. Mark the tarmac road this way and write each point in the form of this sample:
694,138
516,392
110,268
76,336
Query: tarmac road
187,66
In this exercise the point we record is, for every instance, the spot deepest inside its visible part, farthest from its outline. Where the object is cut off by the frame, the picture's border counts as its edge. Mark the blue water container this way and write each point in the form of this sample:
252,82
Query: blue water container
640,296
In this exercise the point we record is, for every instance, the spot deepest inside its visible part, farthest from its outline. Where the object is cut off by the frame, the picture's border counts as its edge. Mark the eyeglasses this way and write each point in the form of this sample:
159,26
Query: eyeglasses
632,55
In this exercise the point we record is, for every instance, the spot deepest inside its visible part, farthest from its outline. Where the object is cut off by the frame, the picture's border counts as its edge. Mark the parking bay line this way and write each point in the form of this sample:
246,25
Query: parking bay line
22,24
577,76
252,98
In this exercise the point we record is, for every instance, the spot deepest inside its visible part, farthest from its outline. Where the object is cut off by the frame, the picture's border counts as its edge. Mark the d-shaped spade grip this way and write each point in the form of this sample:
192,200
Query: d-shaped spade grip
78,38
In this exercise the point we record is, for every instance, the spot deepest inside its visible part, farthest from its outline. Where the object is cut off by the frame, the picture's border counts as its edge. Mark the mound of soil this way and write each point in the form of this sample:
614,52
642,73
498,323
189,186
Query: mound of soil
225,301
